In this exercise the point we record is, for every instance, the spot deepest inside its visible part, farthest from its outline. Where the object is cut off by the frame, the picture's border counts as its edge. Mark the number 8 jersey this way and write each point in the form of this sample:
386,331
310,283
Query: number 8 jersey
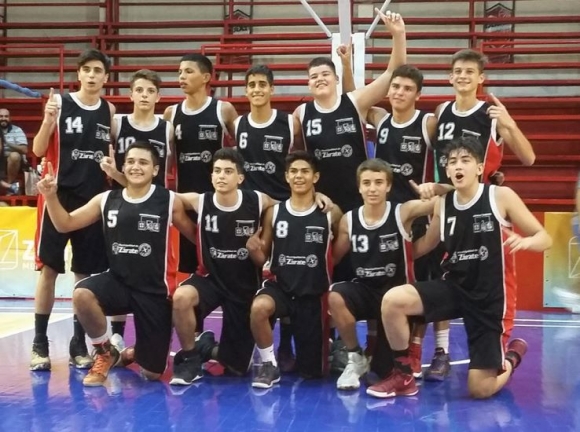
381,254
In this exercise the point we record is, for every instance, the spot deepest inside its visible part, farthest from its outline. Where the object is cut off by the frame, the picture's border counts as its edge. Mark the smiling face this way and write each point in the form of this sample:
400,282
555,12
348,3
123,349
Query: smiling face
322,81
466,76
301,177
225,176
403,93
258,90
139,168
92,76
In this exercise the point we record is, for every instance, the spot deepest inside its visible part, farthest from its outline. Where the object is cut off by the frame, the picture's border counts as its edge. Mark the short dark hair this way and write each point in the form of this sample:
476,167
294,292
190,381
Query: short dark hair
322,61
411,72
260,69
470,55
94,54
302,155
145,145
232,155
148,75
469,144
375,165
203,63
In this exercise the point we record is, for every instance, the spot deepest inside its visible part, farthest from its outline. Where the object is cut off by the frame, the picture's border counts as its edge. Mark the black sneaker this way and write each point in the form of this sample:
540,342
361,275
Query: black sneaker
40,360
267,376
186,370
204,345
79,355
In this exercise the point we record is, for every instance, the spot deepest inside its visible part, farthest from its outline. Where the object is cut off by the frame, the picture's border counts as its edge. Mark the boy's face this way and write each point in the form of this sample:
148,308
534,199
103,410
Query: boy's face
138,167
258,90
465,76
225,176
92,76
144,94
191,78
373,187
403,93
322,81
301,177
463,169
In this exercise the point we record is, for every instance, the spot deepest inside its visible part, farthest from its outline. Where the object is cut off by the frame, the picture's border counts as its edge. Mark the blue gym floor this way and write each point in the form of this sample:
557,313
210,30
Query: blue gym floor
543,395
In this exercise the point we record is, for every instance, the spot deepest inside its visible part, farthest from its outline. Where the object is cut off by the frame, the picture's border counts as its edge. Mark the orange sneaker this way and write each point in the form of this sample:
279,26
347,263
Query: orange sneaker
106,356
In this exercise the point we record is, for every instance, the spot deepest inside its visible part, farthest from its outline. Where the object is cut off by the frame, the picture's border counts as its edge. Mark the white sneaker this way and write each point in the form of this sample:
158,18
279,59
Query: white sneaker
118,342
356,367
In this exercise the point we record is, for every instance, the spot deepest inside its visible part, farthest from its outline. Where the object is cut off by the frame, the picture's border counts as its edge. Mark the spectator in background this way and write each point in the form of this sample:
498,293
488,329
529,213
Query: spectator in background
15,148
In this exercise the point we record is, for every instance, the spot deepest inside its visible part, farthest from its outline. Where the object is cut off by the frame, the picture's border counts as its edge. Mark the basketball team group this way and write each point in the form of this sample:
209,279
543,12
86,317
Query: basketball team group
284,217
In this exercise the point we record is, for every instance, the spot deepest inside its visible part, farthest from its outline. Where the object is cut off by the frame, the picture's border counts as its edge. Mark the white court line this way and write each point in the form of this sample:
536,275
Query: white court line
31,327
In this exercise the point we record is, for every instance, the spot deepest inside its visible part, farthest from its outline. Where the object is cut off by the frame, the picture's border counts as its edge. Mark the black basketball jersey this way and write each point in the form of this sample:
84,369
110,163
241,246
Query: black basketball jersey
300,258
381,254
475,122
137,239
157,134
407,148
476,257
264,148
198,135
222,234
336,138
82,139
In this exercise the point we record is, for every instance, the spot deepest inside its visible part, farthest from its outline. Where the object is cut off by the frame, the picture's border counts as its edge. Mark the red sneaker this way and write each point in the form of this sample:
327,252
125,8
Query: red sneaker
396,384
415,352
516,350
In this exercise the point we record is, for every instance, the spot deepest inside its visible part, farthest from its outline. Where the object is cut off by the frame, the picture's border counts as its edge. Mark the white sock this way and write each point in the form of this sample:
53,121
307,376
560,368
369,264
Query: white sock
442,339
267,355
101,339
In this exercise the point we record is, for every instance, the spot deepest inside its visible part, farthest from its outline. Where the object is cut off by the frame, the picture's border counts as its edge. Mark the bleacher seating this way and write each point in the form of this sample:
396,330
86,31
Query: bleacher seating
551,123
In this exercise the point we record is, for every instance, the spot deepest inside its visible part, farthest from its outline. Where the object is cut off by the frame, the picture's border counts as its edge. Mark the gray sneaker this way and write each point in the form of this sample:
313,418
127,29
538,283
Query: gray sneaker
79,355
267,376
40,360
439,368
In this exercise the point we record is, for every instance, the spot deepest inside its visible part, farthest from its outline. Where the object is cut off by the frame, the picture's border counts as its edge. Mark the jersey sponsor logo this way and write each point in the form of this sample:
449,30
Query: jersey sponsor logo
229,254
144,249
470,133
411,144
406,169
344,151
482,223
207,133
245,228
466,255
372,272
97,156
103,133
388,242
148,222
159,145
205,156
314,234
442,161
268,167
345,125
273,143
298,260
483,253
